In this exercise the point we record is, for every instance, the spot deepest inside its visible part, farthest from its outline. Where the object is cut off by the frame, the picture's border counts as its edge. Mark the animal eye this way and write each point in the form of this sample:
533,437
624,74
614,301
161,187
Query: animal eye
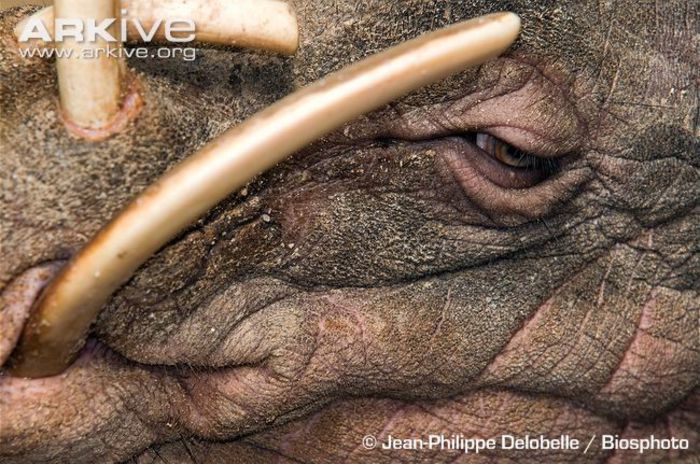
512,156
500,162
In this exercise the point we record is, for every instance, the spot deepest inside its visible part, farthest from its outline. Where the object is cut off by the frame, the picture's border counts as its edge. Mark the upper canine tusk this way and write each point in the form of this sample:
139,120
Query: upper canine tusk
93,91
90,90
258,24
63,315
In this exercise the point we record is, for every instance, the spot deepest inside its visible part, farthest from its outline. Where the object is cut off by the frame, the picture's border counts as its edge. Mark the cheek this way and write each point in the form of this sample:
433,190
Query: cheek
355,212
344,238
301,217
606,335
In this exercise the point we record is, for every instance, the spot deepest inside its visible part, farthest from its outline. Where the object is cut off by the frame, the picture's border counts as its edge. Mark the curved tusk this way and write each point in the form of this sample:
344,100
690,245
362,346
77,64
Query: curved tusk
63,315
258,24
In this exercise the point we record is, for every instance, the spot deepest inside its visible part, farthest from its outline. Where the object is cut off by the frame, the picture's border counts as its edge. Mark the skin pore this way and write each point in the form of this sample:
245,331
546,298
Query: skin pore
394,277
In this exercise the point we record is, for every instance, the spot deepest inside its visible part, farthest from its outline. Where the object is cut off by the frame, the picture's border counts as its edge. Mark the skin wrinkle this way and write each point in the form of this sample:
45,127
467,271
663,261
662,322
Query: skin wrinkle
626,350
455,115
461,428
207,450
528,204
564,84
400,223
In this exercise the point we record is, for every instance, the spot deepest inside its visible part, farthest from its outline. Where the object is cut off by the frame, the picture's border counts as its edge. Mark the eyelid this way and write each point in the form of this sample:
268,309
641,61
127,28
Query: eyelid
507,206
536,117
504,152
530,142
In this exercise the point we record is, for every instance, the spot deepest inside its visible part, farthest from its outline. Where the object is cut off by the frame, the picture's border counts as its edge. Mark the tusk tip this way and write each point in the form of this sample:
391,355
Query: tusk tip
509,20
512,19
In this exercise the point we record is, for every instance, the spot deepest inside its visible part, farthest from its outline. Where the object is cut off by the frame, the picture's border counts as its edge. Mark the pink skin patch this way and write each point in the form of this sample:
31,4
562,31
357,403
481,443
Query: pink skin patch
16,303
131,107
650,356
19,389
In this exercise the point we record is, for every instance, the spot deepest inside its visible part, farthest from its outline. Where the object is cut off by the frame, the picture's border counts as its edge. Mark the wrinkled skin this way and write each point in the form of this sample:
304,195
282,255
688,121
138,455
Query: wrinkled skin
381,281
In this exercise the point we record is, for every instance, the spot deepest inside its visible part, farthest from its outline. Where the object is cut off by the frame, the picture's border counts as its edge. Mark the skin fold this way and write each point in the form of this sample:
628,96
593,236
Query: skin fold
390,279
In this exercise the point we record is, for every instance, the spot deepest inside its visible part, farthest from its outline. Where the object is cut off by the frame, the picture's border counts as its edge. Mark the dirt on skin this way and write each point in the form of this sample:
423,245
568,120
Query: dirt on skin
386,280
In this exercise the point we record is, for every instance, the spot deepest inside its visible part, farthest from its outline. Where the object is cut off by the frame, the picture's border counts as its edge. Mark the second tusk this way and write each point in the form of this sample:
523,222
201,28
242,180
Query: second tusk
258,24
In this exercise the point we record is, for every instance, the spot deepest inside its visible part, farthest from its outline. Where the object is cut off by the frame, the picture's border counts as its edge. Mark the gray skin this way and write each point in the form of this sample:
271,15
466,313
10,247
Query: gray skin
389,279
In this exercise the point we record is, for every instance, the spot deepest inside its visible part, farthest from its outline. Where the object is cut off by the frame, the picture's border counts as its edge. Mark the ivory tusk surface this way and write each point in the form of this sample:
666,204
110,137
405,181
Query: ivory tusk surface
63,315
258,24
89,89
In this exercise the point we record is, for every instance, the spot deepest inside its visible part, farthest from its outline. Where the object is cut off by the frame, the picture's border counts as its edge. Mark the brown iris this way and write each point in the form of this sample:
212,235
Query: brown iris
510,155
